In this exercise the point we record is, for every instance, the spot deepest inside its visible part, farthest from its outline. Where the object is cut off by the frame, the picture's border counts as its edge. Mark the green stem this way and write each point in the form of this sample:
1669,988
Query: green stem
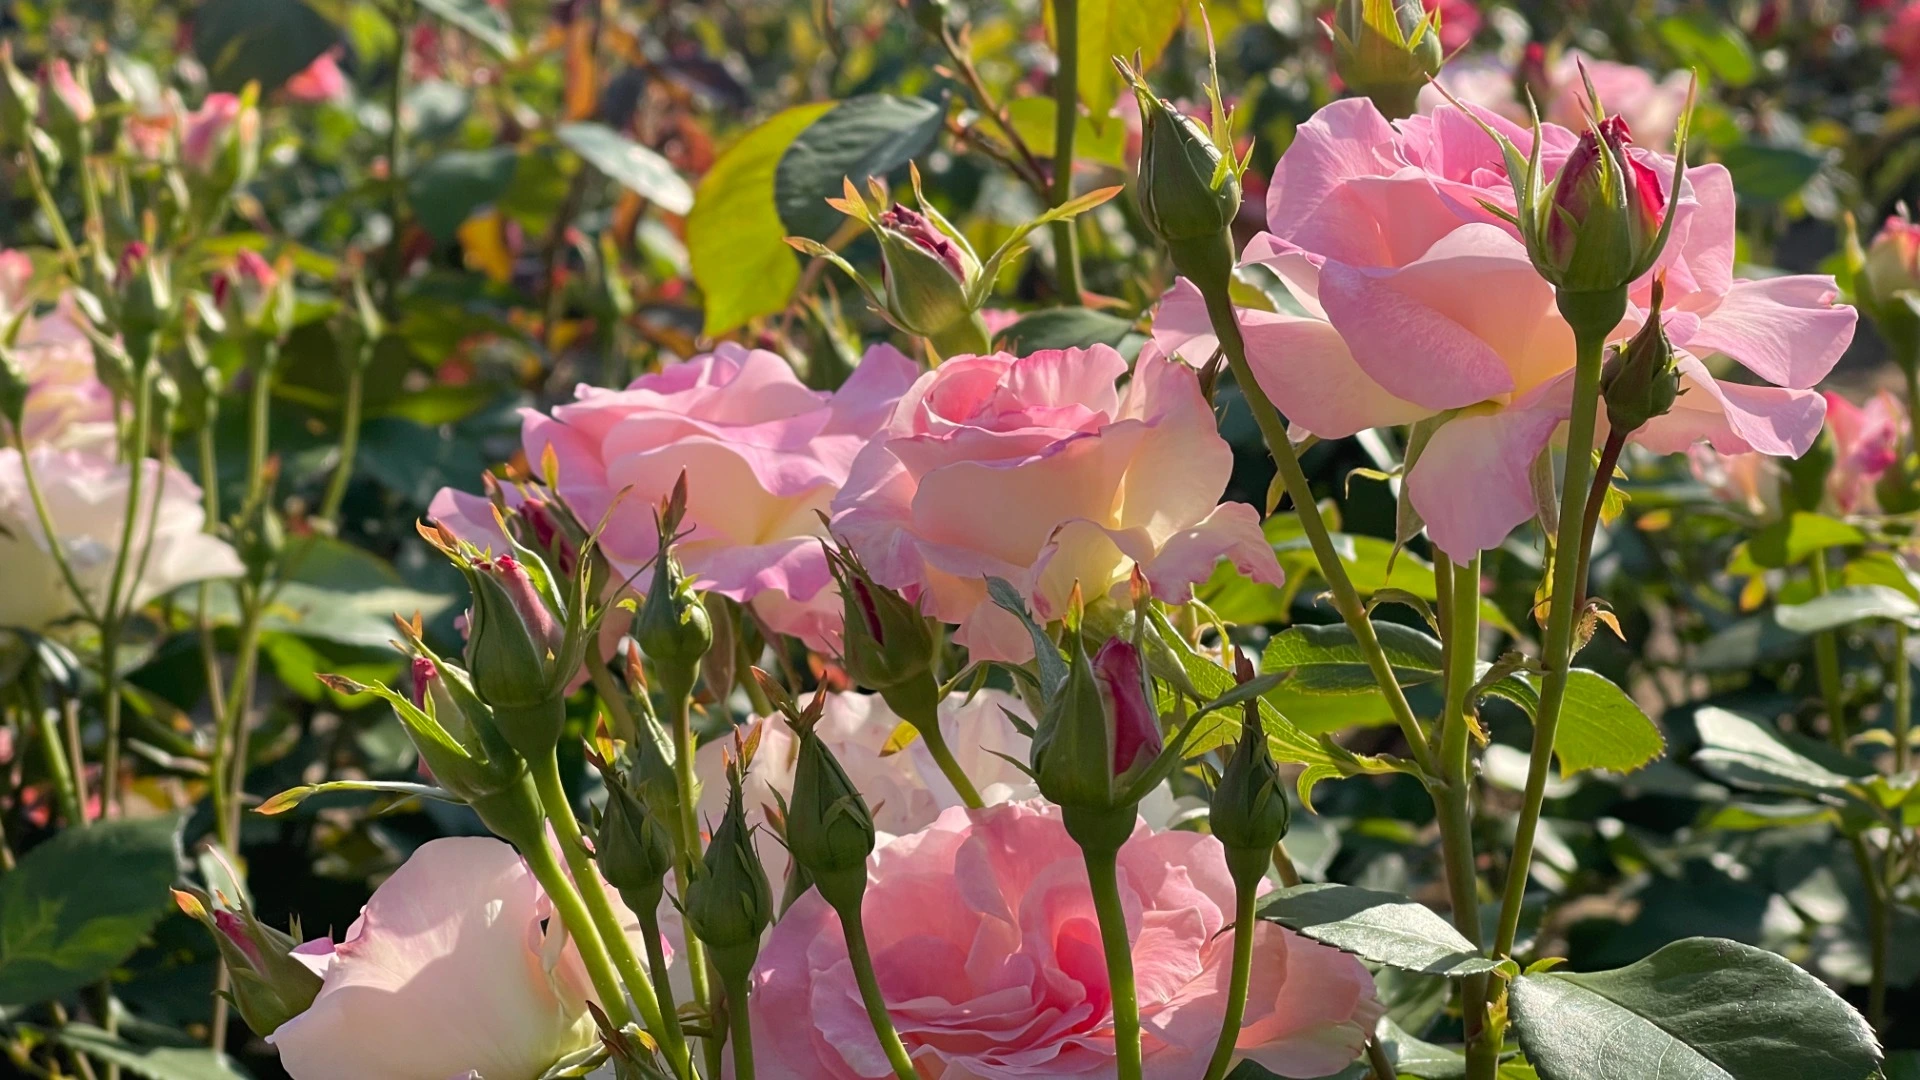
62,239
1596,502
1826,660
1212,278
58,763
740,1026
1902,701
1879,933
854,928
234,740
649,916
687,840
50,532
349,448
573,847
949,767
111,610
572,910
1245,900
1103,875
1593,318
396,141
1912,369
1453,795
1377,1060
1066,112
259,417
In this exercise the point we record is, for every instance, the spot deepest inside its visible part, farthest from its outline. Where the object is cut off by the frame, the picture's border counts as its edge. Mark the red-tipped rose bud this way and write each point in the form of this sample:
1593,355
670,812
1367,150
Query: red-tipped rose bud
1602,222
1097,737
1889,286
1128,702
1639,380
269,985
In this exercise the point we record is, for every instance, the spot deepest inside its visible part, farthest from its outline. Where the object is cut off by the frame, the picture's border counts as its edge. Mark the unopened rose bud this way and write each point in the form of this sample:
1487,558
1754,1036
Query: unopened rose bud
729,904
1639,380
673,628
633,847
829,826
1600,228
886,641
19,100
1889,283
1097,737
926,272
258,294
1387,50
70,109
931,16
514,642
1188,182
1249,812
143,300
269,986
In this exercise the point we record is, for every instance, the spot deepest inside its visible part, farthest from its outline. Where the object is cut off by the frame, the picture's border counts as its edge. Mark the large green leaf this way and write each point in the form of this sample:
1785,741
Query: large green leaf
872,135
443,192
488,24
1033,118
1769,174
155,1062
80,903
263,41
1110,28
1328,660
1070,328
336,592
1383,927
1701,39
633,166
1746,753
735,239
1848,605
1602,728
1699,1009
1785,543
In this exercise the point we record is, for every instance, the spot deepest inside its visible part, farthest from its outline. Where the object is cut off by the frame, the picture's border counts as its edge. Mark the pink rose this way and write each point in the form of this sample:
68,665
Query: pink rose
763,455
219,120
1459,22
1866,443
1751,481
86,497
451,967
1042,471
67,406
320,82
1417,300
987,950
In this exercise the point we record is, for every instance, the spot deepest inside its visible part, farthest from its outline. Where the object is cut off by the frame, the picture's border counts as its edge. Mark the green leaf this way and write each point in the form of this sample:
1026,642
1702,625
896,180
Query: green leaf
1033,119
1046,655
736,241
1287,742
1786,543
1748,643
1742,751
1383,927
1699,1009
872,135
1769,174
1847,605
335,592
1110,28
1070,328
633,166
488,24
186,1061
1328,660
1602,728
447,190
80,903
1413,1057
1699,39
263,41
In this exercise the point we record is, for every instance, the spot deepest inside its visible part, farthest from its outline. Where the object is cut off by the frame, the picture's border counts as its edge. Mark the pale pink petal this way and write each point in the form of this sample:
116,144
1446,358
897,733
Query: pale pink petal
1788,330
1471,483
1736,418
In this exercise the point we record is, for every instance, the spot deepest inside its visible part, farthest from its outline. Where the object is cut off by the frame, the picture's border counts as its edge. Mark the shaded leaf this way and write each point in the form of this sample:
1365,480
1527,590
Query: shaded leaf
1070,328
182,1061
487,23
872,135
1847,605
1742,751
1383,927
633,166
1699,1009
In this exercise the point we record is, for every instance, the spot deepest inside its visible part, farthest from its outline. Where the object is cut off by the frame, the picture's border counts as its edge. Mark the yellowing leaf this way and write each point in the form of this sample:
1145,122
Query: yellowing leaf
1110,28
735,239
483,244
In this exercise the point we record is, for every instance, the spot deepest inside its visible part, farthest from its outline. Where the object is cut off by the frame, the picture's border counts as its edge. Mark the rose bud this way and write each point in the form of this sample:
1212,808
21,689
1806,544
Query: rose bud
1188,181
729,903
633,846
1639,380
143,300
258,294
270,986
1888,285
517,648
674,628
70,109
886,642
829,826
1603,213
219,151
1387,50
1249,813
1097,738
460,743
